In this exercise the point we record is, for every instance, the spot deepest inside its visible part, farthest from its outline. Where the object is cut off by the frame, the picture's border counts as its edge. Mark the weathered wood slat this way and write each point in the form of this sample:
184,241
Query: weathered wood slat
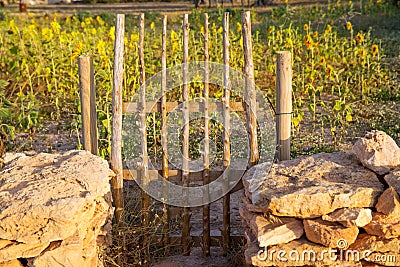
144,175
283,103
206,171
164,141
116,139
226,137
173,107
88,104
250,95
185,139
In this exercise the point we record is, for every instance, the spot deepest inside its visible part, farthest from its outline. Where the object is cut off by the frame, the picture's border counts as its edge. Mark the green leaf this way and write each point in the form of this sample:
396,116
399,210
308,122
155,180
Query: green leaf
9,104
5,113
3,84
14,50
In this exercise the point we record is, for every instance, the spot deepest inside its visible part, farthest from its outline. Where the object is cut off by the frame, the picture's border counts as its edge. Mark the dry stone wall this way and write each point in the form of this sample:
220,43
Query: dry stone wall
55,209
328,209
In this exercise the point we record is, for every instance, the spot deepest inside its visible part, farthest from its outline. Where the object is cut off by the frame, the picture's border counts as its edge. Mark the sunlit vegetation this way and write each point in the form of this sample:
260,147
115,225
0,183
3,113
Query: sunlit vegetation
341,65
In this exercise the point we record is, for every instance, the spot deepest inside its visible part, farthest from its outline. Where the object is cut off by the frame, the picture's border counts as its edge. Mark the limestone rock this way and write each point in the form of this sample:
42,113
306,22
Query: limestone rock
330,234
393,179
350,216
374,249
13,263
44,197
55,209
376,244
14,250
285,231
271,230
313,186
9,157
378,152
69,252
389,203
383,225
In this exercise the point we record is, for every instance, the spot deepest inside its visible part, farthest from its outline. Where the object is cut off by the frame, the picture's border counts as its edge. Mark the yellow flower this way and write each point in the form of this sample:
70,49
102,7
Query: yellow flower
305,27
47,34
152,25
78,50
362,53
360,37
135,37
375,50
93,31
111,33
328,29
308,41
239,27
315,35
201,29
88,20
55,26
213,29
174,35
349,26
220,30
329,71
13,27
271,29
322,60
99,20
289,43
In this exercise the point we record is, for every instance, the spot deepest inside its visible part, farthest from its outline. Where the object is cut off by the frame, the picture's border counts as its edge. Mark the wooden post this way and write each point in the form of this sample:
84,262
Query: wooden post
116,140
250,94
88,104
226,137
283,103
164,141
206,171
185,138
143,133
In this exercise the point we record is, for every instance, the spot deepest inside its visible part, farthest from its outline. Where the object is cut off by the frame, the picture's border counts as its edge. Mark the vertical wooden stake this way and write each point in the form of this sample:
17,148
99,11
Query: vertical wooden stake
206,171
116,140
226,137
283,103
88,104
250,96
144,176
185,139
164,141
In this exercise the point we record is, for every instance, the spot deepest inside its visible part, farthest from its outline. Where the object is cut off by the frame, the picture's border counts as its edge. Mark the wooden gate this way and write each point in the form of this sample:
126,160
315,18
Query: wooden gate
143,108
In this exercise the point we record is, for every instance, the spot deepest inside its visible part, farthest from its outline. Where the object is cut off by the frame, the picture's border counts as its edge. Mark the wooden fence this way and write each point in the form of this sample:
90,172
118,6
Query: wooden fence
283,118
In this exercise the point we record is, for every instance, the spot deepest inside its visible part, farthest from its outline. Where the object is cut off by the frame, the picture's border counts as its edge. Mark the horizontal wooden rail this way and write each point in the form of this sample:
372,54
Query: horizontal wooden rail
132,107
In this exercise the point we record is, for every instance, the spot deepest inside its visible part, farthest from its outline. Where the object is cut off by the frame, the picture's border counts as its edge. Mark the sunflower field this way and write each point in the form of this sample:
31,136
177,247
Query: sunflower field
345,66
